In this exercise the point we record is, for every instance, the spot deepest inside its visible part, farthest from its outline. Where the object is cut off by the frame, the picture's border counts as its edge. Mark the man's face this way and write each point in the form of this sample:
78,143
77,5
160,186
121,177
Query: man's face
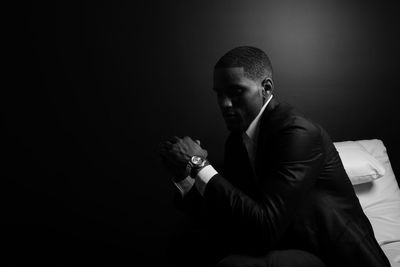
240,98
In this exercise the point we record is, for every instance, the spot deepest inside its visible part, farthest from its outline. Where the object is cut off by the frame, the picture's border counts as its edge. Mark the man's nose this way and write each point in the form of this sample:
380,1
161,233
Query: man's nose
225,102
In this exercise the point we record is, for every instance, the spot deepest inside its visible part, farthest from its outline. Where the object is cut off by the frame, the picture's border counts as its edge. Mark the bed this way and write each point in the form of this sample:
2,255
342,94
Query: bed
368,167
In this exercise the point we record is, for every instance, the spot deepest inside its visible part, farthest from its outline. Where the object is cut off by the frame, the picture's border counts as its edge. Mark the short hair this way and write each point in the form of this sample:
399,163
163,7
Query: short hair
255,62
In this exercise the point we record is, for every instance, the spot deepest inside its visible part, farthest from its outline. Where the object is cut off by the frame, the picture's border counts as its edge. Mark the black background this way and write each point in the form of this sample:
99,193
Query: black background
94,87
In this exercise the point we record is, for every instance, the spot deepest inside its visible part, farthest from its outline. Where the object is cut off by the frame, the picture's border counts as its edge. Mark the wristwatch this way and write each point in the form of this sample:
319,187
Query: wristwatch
197,163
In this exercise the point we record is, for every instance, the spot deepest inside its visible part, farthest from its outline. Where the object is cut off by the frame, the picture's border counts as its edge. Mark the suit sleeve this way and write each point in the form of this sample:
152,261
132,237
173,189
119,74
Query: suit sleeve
297,161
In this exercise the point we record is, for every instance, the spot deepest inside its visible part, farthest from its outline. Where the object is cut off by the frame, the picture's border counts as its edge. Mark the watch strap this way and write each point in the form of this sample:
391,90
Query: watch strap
195,169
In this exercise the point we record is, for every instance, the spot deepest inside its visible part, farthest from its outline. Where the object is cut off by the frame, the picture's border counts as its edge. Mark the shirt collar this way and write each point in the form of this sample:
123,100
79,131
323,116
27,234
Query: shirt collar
251,131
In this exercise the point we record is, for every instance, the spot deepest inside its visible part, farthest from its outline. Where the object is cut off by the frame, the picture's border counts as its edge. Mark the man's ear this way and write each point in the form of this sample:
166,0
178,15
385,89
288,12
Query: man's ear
268,85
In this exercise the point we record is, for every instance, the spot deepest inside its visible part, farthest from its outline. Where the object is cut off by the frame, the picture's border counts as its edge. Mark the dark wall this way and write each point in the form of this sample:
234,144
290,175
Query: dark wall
97,86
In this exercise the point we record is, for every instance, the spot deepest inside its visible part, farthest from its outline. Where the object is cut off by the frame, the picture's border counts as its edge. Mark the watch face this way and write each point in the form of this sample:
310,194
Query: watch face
196,160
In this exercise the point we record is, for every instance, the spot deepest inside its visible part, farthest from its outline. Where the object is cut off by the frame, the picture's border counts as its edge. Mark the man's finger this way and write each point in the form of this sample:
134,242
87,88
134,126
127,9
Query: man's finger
166,144
173,139
198,142
168,162
162,151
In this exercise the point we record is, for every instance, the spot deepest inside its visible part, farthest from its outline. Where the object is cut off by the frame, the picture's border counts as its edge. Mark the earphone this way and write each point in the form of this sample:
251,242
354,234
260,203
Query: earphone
264,91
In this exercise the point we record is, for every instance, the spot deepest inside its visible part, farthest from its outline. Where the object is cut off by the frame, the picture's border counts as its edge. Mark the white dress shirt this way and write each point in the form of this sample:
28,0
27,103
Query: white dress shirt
204,176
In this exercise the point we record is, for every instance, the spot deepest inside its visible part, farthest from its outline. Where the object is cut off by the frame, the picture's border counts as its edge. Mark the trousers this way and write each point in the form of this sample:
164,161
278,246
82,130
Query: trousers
275,258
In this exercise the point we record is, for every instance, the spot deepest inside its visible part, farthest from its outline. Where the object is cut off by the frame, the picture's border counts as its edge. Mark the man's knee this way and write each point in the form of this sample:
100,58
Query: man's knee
240,261
292,257
275,258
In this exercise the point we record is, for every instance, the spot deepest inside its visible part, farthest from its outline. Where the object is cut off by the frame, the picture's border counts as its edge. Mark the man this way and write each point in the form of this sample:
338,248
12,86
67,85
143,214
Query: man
284,198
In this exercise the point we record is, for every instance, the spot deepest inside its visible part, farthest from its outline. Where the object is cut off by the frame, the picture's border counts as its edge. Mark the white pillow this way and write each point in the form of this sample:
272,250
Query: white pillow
380,199
360,166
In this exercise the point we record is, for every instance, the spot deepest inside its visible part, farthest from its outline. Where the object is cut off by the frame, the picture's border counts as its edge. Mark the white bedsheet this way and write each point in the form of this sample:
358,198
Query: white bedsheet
392,251
380,200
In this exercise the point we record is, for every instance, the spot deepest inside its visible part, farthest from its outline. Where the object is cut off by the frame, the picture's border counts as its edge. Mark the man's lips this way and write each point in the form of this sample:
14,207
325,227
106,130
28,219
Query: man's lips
231,116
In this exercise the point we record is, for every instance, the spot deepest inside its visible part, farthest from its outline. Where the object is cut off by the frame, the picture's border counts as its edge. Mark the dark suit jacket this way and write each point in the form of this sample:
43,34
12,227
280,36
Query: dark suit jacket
299,198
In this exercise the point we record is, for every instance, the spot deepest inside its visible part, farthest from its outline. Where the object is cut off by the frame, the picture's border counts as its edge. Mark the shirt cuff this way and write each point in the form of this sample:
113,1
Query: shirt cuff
203,177
185,185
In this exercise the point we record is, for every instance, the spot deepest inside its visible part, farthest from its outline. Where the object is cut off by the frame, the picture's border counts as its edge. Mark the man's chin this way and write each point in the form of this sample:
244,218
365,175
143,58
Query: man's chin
234,127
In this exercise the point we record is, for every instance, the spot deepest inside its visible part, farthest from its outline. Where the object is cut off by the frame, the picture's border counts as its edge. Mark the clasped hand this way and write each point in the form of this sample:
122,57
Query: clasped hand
176,153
